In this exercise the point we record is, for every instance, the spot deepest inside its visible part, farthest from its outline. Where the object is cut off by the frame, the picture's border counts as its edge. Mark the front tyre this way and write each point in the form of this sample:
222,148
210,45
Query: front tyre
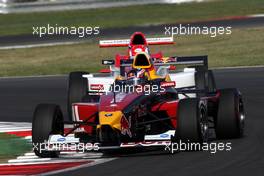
77,89
192,124
231,116
47,120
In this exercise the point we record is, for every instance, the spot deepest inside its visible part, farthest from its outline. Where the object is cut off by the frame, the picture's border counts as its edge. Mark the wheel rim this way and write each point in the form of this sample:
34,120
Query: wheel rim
241,117
203,125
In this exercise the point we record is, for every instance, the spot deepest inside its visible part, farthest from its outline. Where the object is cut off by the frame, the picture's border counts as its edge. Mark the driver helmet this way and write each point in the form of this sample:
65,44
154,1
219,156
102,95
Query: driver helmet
136,75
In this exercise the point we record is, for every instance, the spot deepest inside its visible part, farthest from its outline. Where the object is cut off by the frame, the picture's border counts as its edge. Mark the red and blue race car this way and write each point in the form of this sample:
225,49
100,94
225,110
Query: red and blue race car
141,100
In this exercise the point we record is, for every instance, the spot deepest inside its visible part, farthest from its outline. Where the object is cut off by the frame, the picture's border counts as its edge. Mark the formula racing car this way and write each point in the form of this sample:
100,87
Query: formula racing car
141,100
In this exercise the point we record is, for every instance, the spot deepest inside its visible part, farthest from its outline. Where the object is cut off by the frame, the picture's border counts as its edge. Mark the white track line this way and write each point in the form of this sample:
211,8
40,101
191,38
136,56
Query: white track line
40,45
28,138
29,154
93,158
15,126
31,157
4,130
256,15
65,157
26,157
96,162
19,126
28,160
45,162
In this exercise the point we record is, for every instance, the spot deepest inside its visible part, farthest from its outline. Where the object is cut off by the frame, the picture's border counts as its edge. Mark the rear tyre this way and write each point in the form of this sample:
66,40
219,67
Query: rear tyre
47,120
231,116
77,89
192,121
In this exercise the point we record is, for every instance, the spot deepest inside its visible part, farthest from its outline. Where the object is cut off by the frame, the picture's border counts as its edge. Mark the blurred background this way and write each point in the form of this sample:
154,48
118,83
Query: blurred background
14,6
25,54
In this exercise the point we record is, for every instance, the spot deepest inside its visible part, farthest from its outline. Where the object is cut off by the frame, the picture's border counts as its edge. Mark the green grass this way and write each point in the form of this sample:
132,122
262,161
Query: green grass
12,146
13,24
242,47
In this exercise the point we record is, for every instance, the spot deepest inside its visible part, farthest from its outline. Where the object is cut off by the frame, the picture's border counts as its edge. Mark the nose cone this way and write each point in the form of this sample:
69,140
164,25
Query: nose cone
112,119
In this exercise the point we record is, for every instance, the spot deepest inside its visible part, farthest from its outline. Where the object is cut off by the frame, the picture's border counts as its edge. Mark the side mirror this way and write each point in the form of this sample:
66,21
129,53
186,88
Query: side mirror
108,62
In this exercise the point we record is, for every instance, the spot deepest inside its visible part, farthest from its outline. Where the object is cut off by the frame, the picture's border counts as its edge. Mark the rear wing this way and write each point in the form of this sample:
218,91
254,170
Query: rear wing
126,42
181,60
186,60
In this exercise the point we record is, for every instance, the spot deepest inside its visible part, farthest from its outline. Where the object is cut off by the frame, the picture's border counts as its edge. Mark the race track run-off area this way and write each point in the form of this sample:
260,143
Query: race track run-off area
245,158
30,164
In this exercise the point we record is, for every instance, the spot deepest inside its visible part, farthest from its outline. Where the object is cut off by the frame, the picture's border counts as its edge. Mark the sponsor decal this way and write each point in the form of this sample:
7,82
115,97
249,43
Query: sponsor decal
125,126
138,50
146,143
111,42
61,139
96,87
108,62
168,84
108,115
164,135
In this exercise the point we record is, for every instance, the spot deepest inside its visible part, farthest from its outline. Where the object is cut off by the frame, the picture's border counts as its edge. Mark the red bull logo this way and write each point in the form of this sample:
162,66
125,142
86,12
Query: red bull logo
125,126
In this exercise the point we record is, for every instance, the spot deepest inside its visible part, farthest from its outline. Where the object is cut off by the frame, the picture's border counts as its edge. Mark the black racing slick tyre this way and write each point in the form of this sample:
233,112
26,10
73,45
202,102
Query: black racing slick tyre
77,89
192,124
231,116
47,120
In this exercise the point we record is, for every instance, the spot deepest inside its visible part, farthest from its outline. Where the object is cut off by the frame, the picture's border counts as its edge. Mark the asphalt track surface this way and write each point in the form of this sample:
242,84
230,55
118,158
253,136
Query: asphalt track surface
19,96
236,22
